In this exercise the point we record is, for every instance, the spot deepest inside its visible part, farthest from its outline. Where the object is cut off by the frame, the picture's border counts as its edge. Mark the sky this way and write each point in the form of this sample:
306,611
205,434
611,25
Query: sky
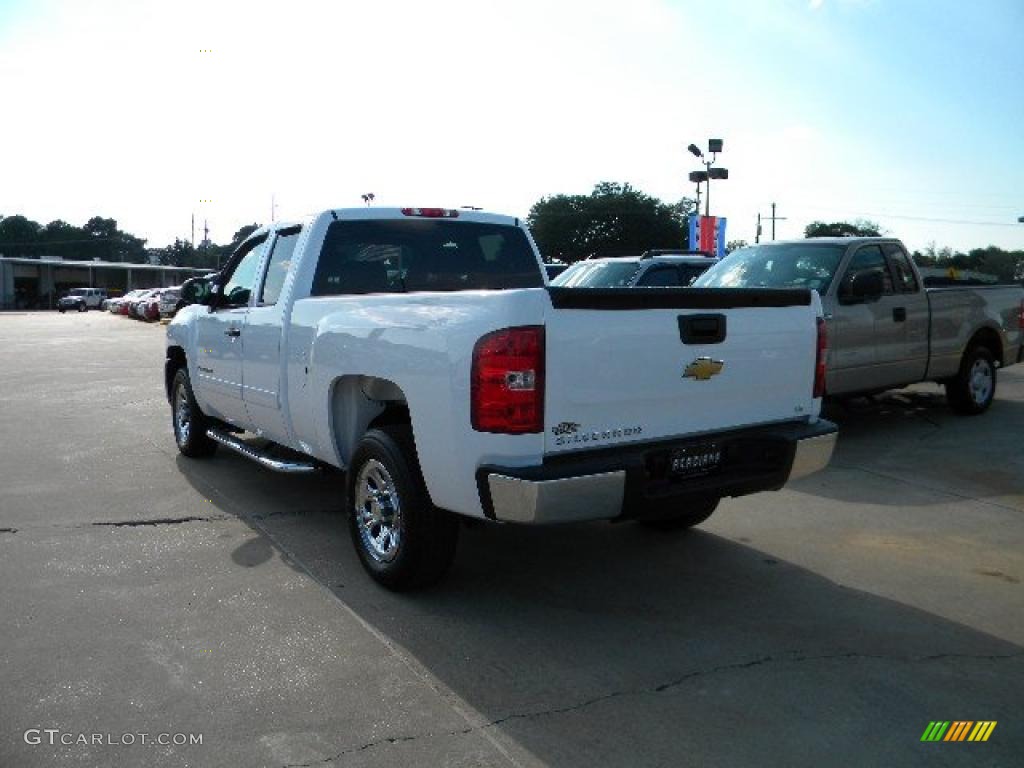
906,112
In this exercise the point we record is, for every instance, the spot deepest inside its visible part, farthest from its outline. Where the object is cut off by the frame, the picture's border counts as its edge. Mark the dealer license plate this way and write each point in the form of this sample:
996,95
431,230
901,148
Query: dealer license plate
695,460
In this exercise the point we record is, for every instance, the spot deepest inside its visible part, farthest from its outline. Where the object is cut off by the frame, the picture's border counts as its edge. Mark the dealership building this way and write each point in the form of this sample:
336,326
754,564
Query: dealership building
38,283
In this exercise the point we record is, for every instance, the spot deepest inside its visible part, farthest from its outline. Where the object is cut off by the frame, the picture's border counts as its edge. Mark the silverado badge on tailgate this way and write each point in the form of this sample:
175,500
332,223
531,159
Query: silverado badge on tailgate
703,368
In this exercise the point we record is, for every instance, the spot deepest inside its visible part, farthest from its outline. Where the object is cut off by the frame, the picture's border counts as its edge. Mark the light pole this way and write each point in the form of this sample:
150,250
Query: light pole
714,147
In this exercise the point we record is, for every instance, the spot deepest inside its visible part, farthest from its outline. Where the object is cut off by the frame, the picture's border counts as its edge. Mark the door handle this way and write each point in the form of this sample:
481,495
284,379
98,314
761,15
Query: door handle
233,332
899,314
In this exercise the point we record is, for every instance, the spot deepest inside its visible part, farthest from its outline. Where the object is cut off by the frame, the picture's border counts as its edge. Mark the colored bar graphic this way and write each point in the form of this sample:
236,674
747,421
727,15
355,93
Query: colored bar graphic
935,730
958,730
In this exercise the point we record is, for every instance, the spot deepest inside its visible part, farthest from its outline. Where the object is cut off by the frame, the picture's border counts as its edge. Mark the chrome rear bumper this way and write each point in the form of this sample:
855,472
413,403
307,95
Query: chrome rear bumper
812,455
604,486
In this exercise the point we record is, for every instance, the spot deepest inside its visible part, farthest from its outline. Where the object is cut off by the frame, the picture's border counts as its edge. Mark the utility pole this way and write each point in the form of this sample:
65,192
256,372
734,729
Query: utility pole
193,230
273,208
773,218
757,232
206,232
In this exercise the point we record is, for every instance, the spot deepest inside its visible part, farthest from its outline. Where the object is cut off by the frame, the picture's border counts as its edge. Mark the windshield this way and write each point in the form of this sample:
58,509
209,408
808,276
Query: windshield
77,292
789,265
598,274
688,273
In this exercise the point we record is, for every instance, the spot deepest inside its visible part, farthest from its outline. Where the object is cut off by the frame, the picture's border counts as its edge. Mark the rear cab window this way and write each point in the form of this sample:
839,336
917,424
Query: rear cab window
903,274
400,256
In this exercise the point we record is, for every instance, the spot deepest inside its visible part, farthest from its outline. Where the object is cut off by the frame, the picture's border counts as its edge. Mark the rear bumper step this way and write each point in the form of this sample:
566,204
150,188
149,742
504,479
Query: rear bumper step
277,465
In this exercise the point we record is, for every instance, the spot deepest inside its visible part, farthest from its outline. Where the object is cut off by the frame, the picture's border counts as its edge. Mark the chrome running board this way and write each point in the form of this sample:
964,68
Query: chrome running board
236,445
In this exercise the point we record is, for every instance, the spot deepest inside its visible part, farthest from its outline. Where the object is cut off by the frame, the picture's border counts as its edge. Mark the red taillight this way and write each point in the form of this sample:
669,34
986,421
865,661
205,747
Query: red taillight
819,359
431,213
507,381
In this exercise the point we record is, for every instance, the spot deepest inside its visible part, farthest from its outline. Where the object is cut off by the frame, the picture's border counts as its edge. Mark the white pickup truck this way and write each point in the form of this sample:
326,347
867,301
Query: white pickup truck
422,351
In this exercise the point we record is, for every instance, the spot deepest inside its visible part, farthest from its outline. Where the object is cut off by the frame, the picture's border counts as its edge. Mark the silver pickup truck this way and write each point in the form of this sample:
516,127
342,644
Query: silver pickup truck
886,328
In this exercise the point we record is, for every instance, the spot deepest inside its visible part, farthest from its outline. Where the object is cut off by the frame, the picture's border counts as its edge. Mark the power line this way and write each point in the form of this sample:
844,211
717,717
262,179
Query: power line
920,218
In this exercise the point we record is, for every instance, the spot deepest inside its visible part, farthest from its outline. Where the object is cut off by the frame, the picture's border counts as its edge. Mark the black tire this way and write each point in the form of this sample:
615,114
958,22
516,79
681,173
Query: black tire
421,553
973,388
694,514
61,311
187,420
83,308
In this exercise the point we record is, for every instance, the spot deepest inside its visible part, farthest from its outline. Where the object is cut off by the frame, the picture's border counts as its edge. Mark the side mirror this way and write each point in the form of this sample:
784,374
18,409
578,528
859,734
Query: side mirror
198,290
864,287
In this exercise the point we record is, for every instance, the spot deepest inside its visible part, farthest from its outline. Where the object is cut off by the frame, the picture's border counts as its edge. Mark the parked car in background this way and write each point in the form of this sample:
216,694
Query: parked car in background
888,327
136,306
81,299
119,304
149,307
654,269
169,299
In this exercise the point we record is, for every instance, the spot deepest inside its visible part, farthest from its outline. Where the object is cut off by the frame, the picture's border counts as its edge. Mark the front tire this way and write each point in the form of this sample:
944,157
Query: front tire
403,541
83,308
694,514
189,422
972,390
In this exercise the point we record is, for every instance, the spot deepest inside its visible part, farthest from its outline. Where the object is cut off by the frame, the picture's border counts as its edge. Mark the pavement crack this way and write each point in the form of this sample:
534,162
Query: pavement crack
160,521
793,657
387,740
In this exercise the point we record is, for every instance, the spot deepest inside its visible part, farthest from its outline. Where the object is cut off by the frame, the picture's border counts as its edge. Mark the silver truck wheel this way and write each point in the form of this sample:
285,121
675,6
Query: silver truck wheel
972,390
188,421
379,511
982,380
403,541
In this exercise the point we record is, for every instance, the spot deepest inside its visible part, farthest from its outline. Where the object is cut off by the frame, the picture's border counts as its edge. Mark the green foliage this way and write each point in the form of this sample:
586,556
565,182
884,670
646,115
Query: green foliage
1004,266
614,219
857,228
99,238
734,245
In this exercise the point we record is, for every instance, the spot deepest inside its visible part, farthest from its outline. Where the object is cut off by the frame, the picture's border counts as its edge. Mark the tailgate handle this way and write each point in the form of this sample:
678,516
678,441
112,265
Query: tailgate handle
702,329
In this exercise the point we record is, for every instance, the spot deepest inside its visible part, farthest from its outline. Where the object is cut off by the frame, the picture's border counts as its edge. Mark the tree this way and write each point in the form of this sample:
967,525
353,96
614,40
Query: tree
735,245
614,219
19,236
857,228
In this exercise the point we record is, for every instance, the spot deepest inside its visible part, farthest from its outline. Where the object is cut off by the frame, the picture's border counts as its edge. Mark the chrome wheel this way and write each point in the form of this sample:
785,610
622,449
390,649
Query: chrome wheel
182,415
378,512
981,381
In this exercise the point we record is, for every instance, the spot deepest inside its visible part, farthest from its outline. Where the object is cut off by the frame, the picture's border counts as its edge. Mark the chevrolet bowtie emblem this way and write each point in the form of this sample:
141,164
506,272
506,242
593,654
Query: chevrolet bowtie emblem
703,368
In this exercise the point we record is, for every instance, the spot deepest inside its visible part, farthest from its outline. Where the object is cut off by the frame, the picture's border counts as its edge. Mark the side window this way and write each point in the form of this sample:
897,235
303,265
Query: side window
240,284
865,259
278,265
903,273
660,277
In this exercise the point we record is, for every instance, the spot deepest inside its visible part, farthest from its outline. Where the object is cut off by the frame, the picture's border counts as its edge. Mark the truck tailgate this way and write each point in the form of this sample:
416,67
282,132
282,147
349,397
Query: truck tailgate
627,365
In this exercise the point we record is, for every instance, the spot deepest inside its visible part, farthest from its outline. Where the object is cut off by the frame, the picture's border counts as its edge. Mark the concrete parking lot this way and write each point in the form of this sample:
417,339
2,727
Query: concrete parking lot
826,624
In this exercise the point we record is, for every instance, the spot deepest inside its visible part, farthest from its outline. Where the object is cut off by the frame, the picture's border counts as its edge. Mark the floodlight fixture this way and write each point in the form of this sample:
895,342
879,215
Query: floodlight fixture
695,150
714,145
698,177
718,173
